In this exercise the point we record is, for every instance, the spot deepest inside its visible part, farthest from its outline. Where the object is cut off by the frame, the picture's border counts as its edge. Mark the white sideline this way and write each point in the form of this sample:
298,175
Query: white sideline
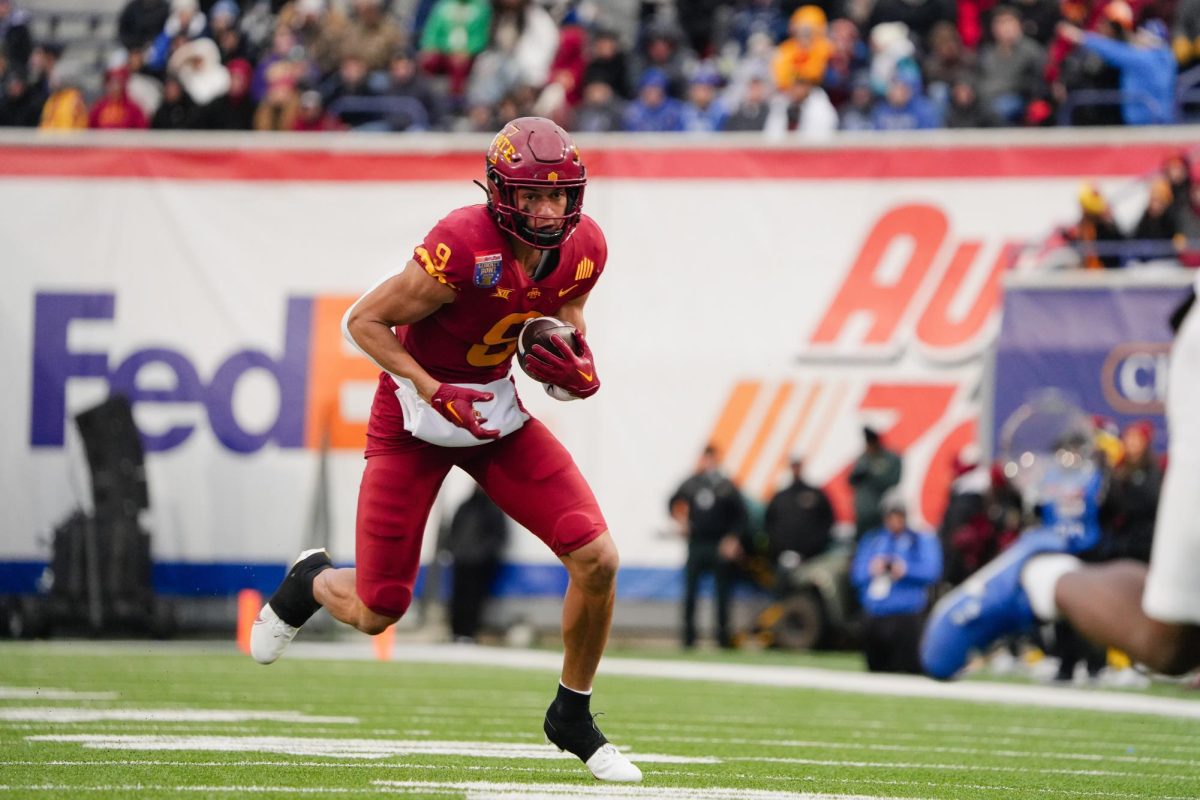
793,677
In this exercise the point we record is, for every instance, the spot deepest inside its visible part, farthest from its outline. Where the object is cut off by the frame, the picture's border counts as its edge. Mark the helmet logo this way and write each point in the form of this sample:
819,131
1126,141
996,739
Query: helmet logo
502,146
553,176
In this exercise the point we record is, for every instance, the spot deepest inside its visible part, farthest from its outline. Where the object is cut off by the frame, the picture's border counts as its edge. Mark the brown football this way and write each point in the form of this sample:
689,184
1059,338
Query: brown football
538,331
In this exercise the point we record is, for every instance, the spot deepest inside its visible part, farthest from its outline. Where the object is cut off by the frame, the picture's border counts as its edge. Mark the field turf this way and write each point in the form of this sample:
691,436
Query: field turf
136,720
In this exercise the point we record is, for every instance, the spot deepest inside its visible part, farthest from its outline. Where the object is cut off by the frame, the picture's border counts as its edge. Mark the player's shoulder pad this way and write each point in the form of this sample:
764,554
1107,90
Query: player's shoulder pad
448,251
591,244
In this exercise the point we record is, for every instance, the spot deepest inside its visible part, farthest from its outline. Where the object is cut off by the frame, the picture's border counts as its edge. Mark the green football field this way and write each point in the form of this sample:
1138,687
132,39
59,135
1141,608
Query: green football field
140,720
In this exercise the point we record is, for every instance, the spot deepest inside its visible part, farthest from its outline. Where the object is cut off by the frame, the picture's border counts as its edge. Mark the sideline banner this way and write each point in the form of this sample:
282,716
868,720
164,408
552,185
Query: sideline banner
771,301
1106,347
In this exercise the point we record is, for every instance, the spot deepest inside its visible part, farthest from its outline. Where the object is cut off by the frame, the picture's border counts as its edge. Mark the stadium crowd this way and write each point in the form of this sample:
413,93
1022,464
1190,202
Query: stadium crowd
777,66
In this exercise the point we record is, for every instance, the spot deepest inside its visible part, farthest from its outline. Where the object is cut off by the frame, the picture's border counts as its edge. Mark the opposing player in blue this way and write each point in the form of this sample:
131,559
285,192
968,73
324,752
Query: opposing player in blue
1152,614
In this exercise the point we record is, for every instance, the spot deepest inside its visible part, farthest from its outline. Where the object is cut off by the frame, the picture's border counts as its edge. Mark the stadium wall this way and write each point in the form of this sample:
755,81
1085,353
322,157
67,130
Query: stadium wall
769,299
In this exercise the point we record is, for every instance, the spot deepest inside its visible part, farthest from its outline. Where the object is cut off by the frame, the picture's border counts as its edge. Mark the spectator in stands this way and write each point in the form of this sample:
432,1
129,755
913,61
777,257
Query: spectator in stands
174,113
608,63
15,37
520,50
240,115
286,61
756,16
804,55
21,106
372,35
224,30
1095,225
114,110
405,79
1185,36
66,108
206,81
947,61
318,29
856,113
894,570
874,472
920,16
601,110
564,90
904,109
1146,65
1011,67
1157,222
140,22
661,50
456,32
699,19
751,114
142,87
281,102
712,515
704,111
348,83
893,54
798,520
964,107
185,23
849,59
311,115
42,61
654,111
1178,171
805,109
1038,19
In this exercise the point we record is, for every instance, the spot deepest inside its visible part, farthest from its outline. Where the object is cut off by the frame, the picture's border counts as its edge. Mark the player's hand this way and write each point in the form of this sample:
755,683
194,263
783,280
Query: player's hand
574,373
457,404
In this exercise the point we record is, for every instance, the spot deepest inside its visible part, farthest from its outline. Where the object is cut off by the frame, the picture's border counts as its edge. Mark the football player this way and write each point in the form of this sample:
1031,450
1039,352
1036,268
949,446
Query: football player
1152,614
444,330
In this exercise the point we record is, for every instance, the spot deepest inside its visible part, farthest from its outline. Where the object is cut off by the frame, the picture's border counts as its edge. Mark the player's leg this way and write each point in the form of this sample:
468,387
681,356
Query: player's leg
1104,604
398,489
377,591
530,475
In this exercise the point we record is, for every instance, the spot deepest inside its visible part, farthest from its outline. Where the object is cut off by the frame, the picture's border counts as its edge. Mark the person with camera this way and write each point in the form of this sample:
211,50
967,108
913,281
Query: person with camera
894,569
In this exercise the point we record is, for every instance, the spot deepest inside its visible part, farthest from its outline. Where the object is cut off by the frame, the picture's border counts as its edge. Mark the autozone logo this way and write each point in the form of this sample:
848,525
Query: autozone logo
308,369
912,290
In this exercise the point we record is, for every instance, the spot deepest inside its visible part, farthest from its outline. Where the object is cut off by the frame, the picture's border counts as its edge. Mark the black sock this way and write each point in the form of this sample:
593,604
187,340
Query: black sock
293,601
571,705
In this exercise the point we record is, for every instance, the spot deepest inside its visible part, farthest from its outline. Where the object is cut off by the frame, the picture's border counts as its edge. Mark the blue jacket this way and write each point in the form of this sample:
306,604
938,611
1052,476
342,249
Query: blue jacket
1149,71
921,552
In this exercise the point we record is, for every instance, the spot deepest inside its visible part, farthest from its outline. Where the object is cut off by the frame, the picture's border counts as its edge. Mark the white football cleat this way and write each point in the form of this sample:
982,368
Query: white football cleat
271,634
607,764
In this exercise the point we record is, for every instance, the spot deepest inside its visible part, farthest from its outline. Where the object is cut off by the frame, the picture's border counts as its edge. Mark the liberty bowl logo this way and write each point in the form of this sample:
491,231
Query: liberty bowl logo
1134,377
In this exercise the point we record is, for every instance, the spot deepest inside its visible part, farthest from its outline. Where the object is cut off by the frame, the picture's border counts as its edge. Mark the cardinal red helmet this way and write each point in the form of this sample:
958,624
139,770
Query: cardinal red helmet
534,151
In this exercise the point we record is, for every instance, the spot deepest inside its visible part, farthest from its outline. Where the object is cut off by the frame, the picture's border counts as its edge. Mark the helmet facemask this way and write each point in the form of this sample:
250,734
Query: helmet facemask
505,206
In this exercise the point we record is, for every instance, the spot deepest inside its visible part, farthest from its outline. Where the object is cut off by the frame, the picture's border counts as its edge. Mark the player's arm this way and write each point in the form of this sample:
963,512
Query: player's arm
572,313
401,299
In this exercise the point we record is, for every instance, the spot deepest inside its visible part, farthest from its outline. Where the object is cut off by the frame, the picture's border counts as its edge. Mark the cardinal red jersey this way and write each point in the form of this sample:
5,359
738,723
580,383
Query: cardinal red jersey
473,338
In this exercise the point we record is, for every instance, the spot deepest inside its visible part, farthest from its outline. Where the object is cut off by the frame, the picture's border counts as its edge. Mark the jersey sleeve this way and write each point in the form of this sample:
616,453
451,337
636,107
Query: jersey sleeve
446,255
591,265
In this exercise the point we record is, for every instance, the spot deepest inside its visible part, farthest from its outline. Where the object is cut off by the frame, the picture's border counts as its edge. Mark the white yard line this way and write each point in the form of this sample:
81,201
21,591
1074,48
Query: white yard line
63,714
791,677
38,693
340,748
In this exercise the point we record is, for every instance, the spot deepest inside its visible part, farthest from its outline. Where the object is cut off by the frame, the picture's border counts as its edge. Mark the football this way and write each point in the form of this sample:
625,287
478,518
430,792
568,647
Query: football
538,331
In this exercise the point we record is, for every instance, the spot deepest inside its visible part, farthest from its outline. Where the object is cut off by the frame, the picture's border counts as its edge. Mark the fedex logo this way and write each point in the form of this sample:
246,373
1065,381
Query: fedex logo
308,368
